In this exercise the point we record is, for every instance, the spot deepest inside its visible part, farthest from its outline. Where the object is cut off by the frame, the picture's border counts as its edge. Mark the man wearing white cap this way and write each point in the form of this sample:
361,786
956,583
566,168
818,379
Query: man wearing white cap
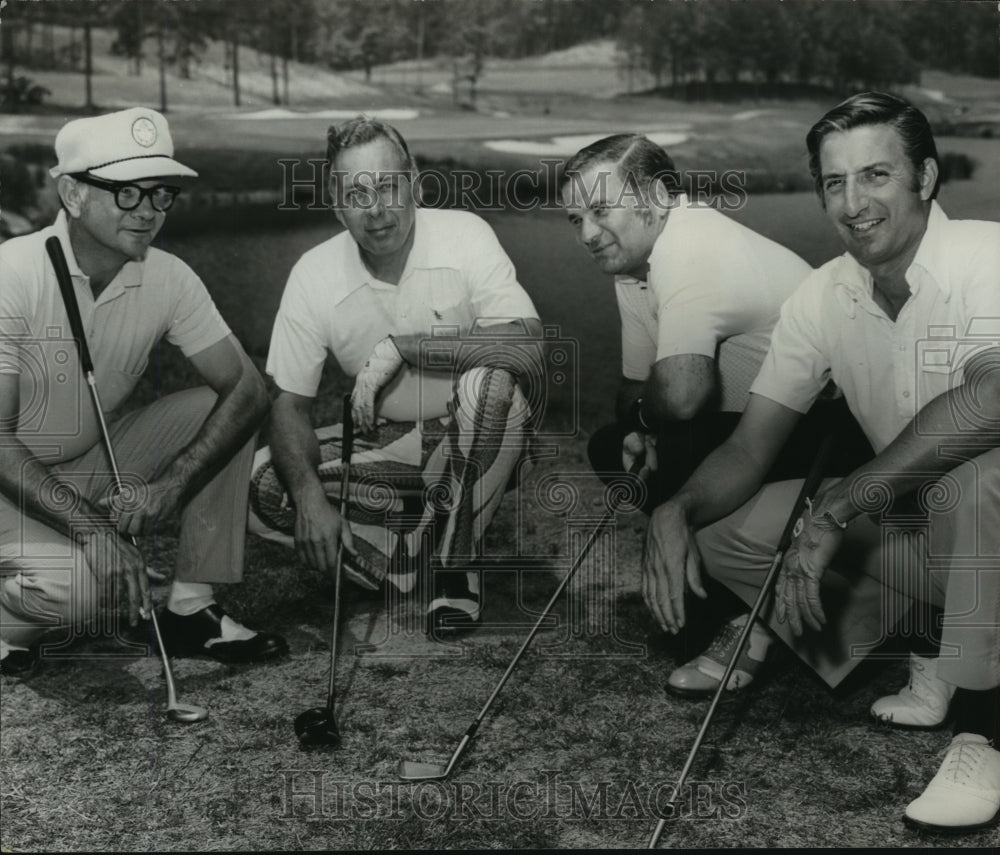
188,452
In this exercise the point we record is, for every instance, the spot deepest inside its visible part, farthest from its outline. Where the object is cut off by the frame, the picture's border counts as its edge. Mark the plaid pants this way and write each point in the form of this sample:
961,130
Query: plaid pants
453,472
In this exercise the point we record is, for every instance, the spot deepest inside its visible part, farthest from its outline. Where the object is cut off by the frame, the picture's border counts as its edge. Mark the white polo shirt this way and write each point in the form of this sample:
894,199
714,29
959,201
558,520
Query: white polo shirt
146,301
832,328
710,279
456,275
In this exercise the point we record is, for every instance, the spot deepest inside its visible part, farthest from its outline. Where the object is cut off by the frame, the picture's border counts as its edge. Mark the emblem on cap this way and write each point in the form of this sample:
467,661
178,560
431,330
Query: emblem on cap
144,131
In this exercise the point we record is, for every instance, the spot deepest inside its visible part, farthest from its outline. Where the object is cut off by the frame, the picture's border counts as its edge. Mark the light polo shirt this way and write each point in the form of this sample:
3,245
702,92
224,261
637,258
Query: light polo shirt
832,328
710,279
456,275
146,301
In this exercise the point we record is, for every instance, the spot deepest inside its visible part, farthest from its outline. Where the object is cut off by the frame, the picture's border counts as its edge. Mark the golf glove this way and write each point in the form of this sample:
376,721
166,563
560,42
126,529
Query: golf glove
641,447
383,364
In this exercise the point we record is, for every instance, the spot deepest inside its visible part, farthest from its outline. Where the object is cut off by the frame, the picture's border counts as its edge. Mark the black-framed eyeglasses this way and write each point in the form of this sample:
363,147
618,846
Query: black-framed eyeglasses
128,197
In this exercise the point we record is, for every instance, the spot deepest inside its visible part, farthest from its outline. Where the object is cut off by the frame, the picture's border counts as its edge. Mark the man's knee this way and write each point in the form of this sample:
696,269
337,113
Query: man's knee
489,398
53,596
714,542
978,480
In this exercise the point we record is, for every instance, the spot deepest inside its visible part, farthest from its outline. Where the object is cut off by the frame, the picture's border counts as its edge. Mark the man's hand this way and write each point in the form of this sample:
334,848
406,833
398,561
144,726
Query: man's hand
670,557
639,447
383,364
319,528
796,596
157,502
115,560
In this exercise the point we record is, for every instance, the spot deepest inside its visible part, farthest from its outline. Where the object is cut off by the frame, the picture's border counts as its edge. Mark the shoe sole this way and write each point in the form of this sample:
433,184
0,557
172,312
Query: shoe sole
696,694
19,676
883,722
179,652
266,656
453,624
930,828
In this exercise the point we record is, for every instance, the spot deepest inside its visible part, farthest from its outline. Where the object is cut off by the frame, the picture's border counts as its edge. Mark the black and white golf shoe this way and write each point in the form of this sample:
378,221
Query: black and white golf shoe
17,663
211,632
456,604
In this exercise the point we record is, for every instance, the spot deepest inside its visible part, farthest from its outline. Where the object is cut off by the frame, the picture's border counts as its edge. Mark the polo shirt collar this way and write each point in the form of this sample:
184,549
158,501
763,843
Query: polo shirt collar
932,250
130,276
426,253
854,281
61,229
680,207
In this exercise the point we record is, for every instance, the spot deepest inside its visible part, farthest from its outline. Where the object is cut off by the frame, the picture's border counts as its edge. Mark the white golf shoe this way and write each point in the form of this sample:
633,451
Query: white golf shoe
923,702
965,793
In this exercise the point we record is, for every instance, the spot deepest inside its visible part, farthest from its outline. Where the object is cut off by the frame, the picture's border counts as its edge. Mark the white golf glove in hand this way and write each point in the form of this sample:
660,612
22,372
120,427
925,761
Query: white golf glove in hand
383,364
641,447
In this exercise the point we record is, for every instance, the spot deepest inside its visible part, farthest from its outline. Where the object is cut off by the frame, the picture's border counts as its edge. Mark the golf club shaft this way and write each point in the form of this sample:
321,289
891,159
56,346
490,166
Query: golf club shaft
346,450
55,251
813,479
591,539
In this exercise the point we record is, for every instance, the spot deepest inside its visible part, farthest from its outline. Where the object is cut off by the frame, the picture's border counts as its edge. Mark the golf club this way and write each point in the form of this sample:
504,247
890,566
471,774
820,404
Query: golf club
183,713
413,770
317,727
813,479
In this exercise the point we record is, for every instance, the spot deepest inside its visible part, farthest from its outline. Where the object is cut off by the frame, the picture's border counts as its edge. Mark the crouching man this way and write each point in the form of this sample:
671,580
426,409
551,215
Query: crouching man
454,430
187,453
906,323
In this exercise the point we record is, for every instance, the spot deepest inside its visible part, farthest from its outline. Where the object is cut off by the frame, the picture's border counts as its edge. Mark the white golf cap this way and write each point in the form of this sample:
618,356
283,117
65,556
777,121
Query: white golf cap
125,146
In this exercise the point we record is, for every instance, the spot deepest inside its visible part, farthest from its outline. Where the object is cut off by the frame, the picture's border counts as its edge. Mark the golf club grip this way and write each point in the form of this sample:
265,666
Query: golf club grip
347,442
55,251
814,477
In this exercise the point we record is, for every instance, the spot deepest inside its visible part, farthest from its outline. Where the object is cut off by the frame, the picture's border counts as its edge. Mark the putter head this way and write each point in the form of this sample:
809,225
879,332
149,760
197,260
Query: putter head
186,713
317,728
414,770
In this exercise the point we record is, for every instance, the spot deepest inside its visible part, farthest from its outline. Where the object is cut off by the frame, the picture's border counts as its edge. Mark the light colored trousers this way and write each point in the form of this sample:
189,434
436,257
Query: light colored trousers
46,583
950,559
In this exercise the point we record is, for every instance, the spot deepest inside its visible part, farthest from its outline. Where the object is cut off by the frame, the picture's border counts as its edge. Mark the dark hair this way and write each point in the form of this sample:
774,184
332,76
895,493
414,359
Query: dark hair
361,130
638,159
876,108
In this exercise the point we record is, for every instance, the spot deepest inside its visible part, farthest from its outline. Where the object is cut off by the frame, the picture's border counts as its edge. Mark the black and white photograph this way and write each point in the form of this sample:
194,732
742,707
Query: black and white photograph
499,425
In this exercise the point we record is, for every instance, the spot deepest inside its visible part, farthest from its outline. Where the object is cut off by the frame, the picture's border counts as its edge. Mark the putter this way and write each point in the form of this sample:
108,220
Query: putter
813,479
183,713
317,727
414,770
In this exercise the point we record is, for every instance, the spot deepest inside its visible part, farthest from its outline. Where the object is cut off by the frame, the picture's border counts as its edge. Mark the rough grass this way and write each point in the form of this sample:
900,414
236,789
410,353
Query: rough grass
89,763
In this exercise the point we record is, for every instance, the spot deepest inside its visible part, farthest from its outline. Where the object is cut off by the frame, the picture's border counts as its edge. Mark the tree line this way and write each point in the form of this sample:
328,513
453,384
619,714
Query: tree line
837,44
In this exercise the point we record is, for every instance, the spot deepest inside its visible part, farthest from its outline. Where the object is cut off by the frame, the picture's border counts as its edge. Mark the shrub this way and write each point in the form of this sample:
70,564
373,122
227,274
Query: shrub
956,166
17,187
21,92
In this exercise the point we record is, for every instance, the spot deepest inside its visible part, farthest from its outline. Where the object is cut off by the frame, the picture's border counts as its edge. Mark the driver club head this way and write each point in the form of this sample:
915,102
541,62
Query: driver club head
186,713
317,728
414,770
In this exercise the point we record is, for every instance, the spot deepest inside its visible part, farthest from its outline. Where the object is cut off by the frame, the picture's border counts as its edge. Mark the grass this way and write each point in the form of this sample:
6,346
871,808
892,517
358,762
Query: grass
89,762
